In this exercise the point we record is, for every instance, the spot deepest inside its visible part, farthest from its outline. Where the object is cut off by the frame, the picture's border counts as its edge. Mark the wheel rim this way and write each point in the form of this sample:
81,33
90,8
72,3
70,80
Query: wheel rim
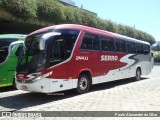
83,83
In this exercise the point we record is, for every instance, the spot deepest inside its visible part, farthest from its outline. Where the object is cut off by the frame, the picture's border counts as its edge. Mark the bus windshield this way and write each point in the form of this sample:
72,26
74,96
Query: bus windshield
57,49
4,45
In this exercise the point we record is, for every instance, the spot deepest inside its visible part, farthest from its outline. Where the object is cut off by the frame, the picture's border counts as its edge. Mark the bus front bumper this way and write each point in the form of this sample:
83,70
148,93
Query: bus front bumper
41,86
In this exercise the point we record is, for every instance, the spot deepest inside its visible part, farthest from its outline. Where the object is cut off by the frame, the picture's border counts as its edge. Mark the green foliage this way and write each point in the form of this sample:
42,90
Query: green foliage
78,15
20,8
72,15
89,19
157,57
53,12
69,15
50,10
121,29
111,26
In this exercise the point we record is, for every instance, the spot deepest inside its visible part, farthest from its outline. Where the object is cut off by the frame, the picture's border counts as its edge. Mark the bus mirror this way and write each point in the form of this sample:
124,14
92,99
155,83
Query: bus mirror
11,46
45,37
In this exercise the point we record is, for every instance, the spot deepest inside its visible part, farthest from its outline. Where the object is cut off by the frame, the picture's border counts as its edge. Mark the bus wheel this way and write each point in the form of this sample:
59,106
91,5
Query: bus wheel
138,74
14,84
83,84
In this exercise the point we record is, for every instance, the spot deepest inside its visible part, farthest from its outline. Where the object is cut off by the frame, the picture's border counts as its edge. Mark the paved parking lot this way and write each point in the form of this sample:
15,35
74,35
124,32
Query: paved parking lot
124,95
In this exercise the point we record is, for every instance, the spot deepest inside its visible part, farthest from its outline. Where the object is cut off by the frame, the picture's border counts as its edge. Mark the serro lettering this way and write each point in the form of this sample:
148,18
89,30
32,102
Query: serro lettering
109,58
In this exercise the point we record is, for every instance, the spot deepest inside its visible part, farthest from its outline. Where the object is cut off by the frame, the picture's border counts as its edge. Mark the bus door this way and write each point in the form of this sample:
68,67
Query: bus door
61,50
13,58
90,55
6,63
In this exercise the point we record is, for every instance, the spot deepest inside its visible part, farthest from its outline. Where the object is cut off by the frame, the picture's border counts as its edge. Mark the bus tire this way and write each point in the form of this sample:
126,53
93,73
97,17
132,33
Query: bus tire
138,74
14,83
83,84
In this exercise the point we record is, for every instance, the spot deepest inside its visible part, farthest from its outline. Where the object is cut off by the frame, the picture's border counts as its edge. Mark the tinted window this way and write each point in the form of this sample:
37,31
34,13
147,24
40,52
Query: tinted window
120,45
146,49
62,46
20,50
131,47
104,44
107,44
57,49
139,48
90,42
111,46
4,44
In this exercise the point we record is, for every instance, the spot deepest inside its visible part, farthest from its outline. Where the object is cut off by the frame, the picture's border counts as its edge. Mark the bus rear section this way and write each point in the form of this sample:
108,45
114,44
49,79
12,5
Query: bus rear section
9,44
65,57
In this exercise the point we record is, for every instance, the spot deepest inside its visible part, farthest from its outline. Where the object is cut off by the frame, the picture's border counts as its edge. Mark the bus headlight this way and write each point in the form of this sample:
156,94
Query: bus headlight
38,78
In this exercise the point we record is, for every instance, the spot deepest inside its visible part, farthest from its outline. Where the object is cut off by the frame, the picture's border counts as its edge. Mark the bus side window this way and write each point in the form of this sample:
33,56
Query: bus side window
3,51
120,45
104,44
90,42
131,47
57,52
3,54
111,46
86,44
146,49
139,48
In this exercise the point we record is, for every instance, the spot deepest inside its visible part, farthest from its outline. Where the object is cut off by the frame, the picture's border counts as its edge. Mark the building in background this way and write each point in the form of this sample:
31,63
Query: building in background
88,11
68,2
71,3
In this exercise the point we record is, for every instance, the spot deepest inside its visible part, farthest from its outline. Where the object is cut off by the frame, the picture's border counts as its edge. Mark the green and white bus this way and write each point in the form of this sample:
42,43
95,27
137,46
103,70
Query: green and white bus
9,47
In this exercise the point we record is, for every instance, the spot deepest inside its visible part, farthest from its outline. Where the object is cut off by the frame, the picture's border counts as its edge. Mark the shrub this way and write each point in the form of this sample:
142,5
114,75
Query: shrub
53,12
50,10
69,14
157,57
20,8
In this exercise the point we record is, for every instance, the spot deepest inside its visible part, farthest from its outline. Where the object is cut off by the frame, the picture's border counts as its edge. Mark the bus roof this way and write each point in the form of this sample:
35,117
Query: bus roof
131,39
18,36
87,29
